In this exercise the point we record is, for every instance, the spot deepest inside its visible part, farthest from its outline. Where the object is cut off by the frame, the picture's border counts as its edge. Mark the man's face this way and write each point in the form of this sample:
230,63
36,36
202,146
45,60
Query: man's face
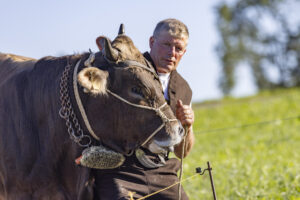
166,51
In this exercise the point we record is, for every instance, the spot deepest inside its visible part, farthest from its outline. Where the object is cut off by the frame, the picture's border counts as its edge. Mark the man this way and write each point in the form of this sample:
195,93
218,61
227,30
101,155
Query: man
167,46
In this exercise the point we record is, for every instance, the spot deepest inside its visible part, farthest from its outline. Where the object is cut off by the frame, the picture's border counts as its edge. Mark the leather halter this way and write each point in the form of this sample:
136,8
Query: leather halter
158,111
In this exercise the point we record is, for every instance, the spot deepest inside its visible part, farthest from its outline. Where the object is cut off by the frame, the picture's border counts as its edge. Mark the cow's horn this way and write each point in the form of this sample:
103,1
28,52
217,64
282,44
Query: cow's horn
121,30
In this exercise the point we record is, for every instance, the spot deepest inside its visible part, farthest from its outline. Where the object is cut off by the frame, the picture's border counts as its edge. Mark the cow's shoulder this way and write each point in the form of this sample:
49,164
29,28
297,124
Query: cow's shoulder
11,64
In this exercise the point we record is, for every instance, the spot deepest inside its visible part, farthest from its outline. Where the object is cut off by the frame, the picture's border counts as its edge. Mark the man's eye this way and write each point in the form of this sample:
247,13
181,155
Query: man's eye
137,91
167,44
178,49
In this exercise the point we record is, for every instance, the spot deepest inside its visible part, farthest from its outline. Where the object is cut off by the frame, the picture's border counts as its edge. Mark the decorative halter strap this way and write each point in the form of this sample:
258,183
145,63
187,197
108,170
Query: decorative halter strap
79,103
128,63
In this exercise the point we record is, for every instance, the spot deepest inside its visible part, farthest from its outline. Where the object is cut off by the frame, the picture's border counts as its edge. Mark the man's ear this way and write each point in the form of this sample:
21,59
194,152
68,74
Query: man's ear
151,41
93,80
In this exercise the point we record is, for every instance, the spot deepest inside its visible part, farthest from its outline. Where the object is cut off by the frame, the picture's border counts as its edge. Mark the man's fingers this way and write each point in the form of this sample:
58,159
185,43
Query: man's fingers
186,119
184,113
179,103
187,122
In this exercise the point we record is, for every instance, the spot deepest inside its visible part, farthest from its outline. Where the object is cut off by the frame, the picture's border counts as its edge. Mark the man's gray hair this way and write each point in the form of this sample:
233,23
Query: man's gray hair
174,27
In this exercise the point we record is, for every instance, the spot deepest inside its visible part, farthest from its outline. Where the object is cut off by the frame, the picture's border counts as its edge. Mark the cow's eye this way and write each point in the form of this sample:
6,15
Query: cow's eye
137,91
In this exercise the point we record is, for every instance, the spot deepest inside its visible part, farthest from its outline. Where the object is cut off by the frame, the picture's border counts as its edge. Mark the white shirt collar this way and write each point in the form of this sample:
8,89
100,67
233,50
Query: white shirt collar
164,80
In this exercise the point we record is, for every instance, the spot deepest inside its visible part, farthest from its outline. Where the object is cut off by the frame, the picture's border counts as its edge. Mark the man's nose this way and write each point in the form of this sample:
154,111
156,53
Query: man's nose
172,50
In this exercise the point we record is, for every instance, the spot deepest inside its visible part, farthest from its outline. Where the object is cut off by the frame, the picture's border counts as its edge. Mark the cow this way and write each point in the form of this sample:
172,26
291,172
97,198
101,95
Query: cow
55,108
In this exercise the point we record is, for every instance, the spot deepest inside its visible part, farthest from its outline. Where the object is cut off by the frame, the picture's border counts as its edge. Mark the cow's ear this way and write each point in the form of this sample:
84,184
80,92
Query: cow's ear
100,41
105,47
93,80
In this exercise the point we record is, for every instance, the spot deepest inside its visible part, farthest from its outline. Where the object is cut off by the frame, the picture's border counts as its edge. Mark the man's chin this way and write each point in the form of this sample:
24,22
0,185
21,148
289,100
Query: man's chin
166,69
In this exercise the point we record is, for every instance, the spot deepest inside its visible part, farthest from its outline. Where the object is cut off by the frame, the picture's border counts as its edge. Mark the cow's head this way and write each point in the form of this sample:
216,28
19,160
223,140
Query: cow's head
124,100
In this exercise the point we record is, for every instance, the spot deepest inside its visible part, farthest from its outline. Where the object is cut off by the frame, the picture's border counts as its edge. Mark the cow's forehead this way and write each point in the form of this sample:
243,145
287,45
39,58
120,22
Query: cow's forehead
127,49
122,40
142,74
147,78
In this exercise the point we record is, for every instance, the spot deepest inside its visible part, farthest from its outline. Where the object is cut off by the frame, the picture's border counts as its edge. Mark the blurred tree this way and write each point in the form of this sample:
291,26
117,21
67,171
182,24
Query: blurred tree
265,35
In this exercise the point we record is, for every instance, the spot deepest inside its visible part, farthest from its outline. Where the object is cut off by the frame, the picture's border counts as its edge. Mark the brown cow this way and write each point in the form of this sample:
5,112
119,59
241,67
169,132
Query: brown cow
124,106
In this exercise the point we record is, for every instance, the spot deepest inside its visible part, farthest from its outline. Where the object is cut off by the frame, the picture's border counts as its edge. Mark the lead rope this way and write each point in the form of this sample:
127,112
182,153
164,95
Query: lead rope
199,171
181,162
158,191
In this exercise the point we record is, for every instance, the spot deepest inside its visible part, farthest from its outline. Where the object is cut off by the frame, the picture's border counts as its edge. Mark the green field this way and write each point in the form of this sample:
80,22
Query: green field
253,145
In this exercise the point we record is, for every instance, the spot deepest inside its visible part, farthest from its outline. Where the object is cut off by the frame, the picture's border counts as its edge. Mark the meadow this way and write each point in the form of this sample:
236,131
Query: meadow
253,145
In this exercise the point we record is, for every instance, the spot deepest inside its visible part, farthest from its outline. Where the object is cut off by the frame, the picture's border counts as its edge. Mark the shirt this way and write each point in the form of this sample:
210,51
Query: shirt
164,80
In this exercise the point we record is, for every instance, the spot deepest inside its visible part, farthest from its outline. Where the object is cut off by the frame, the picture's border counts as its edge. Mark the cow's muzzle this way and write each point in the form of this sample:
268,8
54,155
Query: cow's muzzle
159,146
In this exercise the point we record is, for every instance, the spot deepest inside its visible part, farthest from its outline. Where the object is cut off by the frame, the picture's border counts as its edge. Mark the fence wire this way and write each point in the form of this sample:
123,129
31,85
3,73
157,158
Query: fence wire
249,125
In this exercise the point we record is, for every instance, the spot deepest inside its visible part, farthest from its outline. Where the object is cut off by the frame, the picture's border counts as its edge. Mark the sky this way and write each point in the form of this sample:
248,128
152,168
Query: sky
36,29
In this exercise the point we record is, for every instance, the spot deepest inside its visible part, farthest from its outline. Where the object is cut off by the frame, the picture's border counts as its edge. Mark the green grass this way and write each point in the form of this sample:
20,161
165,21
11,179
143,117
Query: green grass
259,161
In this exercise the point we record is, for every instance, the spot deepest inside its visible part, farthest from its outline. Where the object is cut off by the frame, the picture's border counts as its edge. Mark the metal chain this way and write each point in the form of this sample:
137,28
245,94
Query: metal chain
66,112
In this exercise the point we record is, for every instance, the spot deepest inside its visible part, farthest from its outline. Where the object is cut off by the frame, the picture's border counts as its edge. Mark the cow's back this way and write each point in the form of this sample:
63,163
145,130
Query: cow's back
11,64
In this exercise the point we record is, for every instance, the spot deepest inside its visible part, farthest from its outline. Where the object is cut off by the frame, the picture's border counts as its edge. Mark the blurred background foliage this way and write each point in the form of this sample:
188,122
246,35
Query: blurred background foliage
263,35
252,143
